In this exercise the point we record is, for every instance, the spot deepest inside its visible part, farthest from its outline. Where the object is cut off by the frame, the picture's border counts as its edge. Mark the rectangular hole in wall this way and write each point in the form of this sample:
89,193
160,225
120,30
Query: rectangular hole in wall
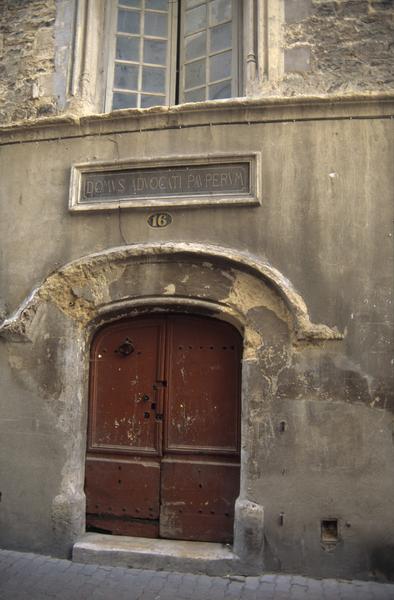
329,531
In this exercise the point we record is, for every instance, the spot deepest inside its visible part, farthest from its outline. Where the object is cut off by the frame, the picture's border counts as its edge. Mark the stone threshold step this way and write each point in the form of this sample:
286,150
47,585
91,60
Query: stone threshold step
156,554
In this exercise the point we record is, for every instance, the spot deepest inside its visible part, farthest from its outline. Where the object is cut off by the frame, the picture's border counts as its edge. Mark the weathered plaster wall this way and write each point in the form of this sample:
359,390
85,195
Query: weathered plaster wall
325,223
321,202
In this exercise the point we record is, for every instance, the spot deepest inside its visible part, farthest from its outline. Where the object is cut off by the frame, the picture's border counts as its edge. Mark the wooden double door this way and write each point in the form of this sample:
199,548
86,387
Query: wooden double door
164,428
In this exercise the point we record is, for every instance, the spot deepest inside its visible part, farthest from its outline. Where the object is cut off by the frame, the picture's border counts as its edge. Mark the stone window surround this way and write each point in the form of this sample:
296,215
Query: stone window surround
262,56
255,284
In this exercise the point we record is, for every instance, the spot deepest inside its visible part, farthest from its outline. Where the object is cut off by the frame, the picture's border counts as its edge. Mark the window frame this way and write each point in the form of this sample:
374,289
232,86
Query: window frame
237,30
111,35
175,91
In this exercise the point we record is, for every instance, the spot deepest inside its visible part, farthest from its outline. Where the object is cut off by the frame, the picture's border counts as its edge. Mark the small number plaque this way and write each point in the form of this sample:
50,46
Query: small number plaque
160,220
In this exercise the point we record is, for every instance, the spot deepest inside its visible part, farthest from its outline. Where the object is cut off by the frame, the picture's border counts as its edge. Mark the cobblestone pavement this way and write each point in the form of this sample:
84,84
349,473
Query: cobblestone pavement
34,577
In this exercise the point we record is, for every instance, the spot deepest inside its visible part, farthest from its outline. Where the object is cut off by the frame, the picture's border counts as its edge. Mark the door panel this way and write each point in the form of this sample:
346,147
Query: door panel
125,364
122,480
164,420
200,470
116,504
203,387
198,500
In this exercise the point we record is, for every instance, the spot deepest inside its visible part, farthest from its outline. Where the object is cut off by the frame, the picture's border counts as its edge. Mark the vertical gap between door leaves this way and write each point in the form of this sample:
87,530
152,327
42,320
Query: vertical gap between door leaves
163,405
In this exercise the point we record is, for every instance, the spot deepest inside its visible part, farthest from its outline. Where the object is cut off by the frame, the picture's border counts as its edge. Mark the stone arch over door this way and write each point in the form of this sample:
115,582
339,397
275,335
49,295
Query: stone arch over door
74,301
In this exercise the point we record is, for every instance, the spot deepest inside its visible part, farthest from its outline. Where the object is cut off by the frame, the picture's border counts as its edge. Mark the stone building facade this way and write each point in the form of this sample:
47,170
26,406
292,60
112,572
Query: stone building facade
298,259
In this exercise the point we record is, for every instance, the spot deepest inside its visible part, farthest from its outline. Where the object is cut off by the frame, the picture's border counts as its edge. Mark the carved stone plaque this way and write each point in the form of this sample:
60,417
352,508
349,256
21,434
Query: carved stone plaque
191,181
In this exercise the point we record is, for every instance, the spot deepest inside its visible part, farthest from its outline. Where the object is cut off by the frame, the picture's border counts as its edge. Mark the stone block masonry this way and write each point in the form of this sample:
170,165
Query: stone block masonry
27,59
335,46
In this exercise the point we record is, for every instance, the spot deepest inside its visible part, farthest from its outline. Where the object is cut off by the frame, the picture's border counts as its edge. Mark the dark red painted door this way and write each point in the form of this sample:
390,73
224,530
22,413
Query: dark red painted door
163,438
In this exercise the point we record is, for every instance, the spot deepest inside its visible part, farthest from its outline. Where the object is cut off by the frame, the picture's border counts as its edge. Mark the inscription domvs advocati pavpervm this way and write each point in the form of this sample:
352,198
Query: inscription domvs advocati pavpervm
190,180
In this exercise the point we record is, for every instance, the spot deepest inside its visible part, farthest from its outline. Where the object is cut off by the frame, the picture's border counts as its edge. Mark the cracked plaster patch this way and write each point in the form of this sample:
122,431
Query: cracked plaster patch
249,293
79,289
170,289
252,342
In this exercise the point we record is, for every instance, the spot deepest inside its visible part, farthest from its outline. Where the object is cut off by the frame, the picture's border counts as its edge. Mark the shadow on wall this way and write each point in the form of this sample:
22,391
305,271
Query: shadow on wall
382,563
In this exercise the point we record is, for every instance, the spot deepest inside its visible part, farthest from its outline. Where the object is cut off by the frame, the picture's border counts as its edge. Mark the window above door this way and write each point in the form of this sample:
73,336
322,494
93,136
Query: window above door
143,53
163,52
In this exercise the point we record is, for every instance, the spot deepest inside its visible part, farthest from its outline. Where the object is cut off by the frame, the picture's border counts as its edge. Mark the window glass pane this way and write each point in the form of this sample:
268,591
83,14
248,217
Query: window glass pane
136,3
124,101
220,37
196,45
207,51
153,80
126,77
195,95
158,4
195,74
155,52
155,24
196,19
147,101
219,11
220,90
128,48
220,66
129,21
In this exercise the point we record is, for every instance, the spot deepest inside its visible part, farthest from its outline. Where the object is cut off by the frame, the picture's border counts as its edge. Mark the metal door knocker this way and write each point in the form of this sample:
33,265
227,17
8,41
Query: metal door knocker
125,348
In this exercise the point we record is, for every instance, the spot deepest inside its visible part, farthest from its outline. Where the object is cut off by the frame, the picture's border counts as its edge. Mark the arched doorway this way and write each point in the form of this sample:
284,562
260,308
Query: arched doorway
81,296
163,457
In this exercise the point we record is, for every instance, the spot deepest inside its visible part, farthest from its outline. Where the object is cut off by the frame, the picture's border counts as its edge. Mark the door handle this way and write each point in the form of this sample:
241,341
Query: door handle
125,348
158,403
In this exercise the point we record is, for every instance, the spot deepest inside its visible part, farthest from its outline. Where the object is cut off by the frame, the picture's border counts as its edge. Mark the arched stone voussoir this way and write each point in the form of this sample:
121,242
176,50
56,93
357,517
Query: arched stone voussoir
80,289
